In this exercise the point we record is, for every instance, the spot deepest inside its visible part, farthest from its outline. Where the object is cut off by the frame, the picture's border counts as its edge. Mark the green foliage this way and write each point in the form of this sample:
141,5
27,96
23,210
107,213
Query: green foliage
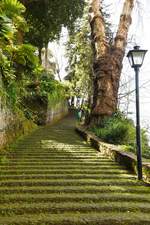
25,56
42,94
54,14
21,74
57,95
144,145
51,89
120,130
18,62
47,85
12,94
11,20
12,8
116,129
79,52
18,66
10,17
6,69
6,28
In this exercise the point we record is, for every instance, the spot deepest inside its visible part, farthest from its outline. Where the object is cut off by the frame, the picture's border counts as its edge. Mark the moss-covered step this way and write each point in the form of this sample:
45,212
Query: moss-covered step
53,177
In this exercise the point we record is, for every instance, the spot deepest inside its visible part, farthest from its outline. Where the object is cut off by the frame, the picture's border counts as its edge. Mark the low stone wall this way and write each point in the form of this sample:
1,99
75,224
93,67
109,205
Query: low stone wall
57,112
115,153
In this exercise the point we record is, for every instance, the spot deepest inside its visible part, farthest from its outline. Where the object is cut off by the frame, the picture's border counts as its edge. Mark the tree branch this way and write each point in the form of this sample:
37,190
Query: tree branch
124,24
97,28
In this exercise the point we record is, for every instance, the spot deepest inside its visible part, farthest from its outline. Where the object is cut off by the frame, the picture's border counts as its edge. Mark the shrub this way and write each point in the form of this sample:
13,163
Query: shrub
116,129
120,130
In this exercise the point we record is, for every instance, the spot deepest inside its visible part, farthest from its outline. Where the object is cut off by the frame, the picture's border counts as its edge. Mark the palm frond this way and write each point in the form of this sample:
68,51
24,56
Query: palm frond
6,27
12,8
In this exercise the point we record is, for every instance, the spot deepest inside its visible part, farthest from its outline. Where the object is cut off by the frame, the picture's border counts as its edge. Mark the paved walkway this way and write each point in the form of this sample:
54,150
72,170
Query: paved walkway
53,177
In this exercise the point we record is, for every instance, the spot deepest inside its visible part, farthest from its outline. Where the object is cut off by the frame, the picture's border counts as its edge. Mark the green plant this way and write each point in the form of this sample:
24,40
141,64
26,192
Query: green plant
25,56
120,130
115,130
6,69
11,21
6,28
12,7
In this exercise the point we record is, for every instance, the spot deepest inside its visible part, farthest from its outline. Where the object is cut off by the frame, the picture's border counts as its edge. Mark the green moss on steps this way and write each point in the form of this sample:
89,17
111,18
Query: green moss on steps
53,177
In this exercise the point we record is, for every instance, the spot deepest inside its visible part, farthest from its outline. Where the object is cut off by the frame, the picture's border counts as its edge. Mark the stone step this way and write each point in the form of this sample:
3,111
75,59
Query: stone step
59,166
53,178
135,189
62,176
78,182
65,171
78,218
61,197
82,207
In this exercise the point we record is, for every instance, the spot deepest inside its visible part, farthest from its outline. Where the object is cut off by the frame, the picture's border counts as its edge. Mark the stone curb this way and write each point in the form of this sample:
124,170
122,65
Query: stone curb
115,153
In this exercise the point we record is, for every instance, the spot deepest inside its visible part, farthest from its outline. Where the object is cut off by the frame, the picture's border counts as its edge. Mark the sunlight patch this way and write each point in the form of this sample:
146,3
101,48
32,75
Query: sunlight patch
53,145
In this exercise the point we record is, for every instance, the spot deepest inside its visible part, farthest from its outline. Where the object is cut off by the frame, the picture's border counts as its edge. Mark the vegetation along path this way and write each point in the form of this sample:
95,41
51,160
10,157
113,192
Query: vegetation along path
53,177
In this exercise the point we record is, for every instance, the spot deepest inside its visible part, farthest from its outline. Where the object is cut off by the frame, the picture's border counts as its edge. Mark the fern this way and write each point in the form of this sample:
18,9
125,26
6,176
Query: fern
12,7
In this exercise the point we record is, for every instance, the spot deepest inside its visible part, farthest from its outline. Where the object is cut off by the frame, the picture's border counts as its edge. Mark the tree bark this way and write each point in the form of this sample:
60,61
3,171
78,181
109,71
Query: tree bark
97,29
40,55
107,65
46,56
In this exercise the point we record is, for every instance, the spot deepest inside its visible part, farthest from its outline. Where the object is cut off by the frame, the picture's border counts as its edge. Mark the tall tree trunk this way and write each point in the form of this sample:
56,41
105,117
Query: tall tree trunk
108,59
72,101
40,55
46,56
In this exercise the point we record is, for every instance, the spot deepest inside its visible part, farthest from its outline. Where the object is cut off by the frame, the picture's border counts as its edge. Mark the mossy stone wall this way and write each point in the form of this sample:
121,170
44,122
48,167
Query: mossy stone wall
126,159
13,125
56,112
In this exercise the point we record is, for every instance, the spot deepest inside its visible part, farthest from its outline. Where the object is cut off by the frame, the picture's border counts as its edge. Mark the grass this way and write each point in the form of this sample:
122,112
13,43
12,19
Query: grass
53,177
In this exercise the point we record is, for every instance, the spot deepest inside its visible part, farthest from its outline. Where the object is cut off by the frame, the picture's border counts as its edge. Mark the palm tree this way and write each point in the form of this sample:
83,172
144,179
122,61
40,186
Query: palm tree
10,19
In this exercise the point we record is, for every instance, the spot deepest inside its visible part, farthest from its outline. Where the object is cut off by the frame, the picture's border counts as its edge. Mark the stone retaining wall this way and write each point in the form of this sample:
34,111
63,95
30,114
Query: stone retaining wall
15,125
115,153
57,112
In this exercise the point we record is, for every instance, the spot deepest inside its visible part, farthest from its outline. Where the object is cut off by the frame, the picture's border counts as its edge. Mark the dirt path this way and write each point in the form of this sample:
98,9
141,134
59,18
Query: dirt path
53,177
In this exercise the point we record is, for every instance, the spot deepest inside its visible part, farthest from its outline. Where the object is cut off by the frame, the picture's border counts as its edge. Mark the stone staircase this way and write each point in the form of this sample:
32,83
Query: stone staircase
53,177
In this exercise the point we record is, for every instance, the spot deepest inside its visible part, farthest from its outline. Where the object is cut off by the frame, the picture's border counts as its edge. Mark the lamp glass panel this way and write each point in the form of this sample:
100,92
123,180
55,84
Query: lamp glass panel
130,59
138,57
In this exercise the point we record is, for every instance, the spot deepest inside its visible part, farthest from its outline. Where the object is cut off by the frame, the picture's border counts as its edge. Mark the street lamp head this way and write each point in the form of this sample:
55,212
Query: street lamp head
136,57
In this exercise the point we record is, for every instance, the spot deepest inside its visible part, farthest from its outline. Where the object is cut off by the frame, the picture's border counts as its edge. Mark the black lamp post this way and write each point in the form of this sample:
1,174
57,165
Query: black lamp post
136,58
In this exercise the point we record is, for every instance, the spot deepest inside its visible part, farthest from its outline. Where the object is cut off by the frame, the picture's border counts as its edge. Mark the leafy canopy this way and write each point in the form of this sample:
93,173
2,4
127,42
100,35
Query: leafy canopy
79,52
46,18
21,74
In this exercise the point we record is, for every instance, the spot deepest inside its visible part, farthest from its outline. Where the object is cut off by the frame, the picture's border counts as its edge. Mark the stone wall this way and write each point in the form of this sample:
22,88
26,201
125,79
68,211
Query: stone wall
3,125
13,125
115,153
56,112
44,111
